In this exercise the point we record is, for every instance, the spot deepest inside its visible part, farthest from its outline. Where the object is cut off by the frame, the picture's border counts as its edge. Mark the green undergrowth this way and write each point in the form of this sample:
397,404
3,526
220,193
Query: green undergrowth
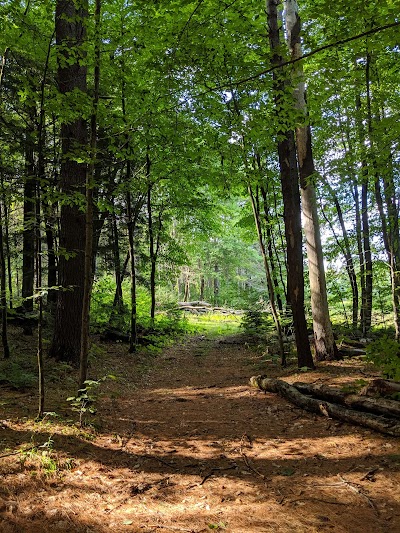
385,354
214,324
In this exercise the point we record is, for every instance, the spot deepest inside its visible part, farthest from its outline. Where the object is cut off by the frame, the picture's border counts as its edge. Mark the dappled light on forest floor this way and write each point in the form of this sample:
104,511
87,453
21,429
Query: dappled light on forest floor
185,445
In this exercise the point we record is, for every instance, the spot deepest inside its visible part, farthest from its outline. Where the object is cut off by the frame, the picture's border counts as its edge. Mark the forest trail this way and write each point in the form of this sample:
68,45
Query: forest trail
185,445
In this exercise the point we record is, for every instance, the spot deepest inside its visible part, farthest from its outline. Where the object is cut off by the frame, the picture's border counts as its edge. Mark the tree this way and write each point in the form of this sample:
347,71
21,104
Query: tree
291,197
325,347
71,20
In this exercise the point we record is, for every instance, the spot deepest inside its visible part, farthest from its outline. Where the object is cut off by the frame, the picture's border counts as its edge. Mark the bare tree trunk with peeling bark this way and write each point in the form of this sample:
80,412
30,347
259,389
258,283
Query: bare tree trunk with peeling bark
325,346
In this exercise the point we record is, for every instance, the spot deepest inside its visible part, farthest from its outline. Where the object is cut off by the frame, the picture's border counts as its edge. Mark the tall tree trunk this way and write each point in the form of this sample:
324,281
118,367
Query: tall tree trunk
152,254
390,219
132,216
350,267
367,257
117,261
39,296
270,247
345,247
28,234
90,175
123,274
202,287
291,199
7,242
51,257
114,243
216,284
3,292
275,315
47,209
393,243
186,277
70,40
325,346
364,237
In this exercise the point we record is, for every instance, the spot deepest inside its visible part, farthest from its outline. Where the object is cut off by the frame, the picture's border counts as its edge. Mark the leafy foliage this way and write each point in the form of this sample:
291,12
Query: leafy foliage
385,354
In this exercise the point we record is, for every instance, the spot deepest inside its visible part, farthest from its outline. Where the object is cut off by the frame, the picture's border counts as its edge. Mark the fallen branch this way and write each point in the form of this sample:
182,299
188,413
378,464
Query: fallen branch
371,421
347,351
212,472
358,491
246,459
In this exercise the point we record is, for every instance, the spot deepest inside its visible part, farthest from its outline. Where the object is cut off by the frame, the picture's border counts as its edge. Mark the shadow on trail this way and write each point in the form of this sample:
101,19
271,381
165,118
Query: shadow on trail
196,419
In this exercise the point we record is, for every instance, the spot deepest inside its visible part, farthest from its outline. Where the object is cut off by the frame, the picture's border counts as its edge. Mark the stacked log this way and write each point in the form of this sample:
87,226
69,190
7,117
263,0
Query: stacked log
198,307
382,416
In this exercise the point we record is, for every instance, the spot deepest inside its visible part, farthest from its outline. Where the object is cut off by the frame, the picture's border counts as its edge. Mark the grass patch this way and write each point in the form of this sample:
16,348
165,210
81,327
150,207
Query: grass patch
215,324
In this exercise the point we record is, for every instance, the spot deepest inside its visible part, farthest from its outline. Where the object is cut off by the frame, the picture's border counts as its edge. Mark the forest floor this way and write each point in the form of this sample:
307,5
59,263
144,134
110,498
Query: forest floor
181,443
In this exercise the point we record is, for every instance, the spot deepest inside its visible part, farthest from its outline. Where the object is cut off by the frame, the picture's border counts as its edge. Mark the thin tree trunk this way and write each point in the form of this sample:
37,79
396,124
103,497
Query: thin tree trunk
28,234
275,315
350,267
271,248
3,293
39,298
291,199
123,274
345,247
51,263
364,237
132,219
7,244
202,287
360,250
88,277
114,243
390,223
216,284
151,249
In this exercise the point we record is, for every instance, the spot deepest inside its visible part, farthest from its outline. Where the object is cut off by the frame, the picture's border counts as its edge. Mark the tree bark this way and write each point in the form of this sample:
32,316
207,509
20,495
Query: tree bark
291,199
70,38
325,346
270,248
152,253
216,284
328,409
364,237
132,216
3,294
28,234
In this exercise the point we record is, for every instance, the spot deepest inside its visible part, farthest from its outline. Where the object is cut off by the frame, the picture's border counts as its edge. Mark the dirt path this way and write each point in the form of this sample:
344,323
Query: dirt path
191,448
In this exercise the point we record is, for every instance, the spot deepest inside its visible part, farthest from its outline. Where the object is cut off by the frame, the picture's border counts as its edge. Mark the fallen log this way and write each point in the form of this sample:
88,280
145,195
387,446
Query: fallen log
195,304
193,309
390,408
328,409
383,387
348,351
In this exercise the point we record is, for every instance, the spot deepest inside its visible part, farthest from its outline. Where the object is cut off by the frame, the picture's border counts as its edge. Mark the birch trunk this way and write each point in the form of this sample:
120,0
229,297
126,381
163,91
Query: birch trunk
325,347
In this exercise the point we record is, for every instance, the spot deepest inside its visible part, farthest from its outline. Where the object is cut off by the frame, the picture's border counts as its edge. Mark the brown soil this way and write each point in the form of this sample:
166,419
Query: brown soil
182,444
